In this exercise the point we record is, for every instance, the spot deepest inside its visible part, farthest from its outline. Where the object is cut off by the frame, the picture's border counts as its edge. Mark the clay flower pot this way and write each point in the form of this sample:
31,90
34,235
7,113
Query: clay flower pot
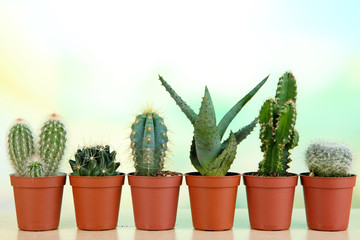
212,200
270,201
97,201
155,201
327,201
38,201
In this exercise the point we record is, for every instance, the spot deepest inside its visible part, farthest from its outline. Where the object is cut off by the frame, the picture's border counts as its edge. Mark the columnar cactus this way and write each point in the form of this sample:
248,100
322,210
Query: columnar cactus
148,143
22,152
21,147
277,133
94,161
52,145
208,154
328,159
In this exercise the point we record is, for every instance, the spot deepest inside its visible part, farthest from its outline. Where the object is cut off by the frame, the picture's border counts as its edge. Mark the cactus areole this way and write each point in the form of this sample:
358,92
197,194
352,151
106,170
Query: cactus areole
208,154
277,128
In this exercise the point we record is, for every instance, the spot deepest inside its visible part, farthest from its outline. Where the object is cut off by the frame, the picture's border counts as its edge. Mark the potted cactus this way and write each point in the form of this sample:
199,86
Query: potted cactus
38,187
270,191
213,189
96,187
328,186
154,192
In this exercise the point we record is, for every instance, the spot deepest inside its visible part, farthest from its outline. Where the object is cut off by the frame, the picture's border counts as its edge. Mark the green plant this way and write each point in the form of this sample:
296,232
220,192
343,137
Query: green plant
94,161
328,159
148,143
277,133
23,155
208,154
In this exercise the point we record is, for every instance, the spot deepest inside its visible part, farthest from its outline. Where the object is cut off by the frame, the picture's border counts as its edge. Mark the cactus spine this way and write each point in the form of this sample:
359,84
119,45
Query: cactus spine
52,145
148,143
208,154
94,161
277,133
22,152
21,147
328,159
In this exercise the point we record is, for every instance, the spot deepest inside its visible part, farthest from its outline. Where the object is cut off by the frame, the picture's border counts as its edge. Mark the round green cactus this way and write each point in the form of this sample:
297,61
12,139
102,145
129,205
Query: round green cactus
328,159
148,143
35,169
94,161
21,147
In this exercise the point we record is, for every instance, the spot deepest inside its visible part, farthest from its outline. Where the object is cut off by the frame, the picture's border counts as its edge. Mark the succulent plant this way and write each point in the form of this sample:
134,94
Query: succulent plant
208,154
23,154
328,159
277,133
94,161
148,143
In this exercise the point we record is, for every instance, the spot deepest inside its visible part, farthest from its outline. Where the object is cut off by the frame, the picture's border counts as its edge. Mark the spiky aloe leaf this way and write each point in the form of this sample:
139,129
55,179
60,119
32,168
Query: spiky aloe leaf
229,116
190,114
206,133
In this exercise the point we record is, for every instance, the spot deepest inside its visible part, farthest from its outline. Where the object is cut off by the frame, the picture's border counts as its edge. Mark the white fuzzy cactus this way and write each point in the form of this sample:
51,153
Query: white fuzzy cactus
328,159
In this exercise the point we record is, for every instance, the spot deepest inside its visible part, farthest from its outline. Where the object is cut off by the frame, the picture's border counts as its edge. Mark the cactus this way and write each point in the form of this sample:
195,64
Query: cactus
35,169
328,159
208,154
94,161
277,133
22,152
21,147
52,145
148,143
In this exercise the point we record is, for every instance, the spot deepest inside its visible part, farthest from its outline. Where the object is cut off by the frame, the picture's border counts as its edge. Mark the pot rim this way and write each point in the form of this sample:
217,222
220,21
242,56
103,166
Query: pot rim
194,179
197,174
97,181
132,174
327,182
38,182
154,181
270,182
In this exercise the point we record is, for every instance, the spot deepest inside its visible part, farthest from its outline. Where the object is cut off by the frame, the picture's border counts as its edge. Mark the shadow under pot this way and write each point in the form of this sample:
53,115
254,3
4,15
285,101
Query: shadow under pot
213,200
155,201
270,200
38,201
327,201
97,201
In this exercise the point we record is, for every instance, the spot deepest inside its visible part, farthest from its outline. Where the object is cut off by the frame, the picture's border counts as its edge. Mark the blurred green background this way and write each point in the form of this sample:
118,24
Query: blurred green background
95,63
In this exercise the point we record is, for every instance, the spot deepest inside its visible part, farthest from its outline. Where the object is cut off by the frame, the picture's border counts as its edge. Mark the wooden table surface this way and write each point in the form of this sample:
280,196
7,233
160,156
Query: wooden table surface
183,229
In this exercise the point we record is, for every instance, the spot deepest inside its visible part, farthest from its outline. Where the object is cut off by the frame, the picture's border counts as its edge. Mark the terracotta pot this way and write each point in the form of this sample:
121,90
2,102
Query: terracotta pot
270,201
38,201
155,201
212,200
327,201
97,201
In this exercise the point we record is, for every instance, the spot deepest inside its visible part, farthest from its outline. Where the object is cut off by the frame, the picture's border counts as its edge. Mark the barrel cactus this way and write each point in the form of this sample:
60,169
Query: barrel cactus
277,128
148,143
208,154
328,159
45,161
94,161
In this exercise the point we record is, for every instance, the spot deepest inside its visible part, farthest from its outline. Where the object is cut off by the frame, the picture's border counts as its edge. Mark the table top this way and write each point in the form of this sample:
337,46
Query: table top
183,229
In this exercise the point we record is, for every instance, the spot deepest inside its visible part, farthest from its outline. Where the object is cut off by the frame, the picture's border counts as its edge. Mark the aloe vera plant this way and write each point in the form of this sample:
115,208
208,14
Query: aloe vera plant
208,154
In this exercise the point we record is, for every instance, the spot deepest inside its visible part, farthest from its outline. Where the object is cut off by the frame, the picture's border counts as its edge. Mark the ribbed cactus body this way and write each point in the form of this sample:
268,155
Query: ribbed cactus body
52,145
328,159
21,147
148,143
94,161
277,128
35,169
208,154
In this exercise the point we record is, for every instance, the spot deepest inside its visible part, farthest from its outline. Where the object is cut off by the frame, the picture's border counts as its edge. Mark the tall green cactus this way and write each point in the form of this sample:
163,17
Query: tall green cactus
21,147
52,145
148,143
208,155
22,152
277,133
94,161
